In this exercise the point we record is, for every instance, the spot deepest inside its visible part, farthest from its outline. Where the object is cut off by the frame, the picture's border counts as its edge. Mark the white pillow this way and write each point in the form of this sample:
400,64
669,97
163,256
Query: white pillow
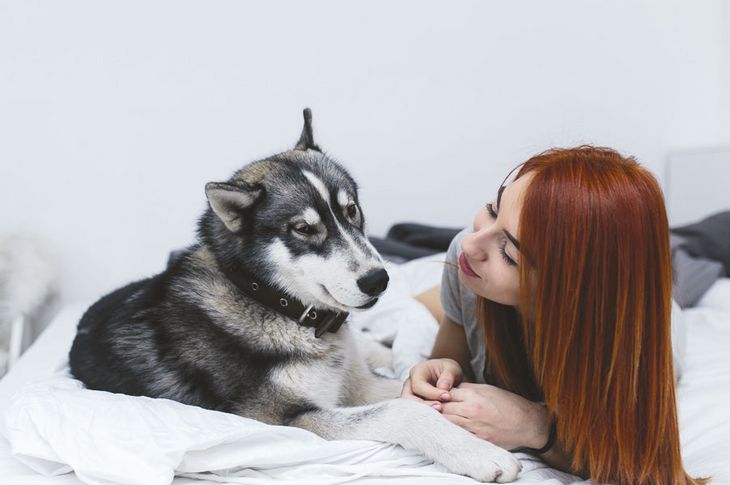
717,297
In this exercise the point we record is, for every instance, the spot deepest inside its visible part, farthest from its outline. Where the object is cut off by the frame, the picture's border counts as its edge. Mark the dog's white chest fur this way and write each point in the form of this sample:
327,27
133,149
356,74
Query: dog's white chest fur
320,380
316,382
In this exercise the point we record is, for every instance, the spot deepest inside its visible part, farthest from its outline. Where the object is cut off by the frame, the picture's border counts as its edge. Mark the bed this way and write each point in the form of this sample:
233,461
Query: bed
55,433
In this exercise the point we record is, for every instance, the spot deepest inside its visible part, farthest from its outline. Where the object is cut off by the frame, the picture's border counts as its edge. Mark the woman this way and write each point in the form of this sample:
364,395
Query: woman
567,351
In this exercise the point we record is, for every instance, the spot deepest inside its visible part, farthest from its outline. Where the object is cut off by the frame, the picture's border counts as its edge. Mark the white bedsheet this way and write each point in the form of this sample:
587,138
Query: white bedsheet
54,426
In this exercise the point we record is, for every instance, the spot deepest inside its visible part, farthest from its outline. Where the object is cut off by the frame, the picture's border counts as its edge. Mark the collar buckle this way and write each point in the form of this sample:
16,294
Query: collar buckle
305,313
331,323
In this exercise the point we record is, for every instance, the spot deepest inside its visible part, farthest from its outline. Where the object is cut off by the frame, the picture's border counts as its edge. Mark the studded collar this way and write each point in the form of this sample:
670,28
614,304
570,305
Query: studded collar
305,315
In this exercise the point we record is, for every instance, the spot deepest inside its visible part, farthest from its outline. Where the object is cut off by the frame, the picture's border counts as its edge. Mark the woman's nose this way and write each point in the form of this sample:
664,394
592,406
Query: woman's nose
473,247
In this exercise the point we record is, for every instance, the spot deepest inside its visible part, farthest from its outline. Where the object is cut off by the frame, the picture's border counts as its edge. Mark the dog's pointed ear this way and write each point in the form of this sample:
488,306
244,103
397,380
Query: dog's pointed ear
228,201
306,140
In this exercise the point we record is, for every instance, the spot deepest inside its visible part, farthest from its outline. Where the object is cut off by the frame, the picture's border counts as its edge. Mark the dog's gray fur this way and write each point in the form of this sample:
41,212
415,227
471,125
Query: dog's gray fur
190,334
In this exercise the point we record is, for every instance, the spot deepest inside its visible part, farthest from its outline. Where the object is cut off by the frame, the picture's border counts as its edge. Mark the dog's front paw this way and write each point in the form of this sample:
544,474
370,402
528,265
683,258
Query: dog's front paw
376,354
483,461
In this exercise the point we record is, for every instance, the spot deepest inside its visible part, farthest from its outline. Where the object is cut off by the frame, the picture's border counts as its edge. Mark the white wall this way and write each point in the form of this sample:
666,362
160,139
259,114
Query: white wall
113,116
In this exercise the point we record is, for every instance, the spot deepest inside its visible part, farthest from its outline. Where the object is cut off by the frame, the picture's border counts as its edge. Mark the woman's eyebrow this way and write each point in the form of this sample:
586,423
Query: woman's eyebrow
499,196
506,232
512,238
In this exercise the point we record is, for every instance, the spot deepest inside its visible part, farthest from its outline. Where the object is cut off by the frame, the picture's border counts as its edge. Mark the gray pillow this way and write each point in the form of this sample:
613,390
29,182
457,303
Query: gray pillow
709,238
693,276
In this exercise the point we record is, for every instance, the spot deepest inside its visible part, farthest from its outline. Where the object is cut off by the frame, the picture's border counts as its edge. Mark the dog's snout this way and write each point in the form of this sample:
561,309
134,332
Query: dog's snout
374,282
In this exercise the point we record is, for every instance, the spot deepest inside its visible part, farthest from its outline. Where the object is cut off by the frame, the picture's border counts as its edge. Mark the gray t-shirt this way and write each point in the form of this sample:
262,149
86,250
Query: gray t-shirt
459,304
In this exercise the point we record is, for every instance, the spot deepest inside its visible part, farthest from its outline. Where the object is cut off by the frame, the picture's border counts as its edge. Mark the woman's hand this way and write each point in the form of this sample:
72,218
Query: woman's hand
498,416
431,381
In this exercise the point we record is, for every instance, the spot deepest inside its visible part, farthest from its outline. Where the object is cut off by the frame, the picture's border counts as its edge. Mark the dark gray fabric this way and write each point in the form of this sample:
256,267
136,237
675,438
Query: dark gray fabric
397,251
692,276
709,238
421,235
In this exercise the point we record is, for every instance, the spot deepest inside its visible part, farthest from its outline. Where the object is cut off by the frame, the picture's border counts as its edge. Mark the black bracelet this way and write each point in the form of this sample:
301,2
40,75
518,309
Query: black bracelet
552,436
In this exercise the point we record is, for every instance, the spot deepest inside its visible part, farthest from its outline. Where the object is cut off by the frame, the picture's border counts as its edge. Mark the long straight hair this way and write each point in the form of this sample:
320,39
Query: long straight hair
591,337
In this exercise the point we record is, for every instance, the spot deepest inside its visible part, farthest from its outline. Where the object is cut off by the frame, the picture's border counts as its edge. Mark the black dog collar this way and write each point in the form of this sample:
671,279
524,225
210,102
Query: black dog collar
305,315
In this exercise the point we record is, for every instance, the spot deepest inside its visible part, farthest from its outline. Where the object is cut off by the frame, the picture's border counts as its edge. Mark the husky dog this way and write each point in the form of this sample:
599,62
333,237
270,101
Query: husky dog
247,320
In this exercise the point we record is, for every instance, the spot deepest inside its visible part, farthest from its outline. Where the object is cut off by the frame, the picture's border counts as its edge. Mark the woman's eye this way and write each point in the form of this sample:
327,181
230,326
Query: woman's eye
505,256
490,209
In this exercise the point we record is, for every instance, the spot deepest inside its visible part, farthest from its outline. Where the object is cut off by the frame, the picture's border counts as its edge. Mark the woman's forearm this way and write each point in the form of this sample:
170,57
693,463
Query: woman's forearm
556,456
560,459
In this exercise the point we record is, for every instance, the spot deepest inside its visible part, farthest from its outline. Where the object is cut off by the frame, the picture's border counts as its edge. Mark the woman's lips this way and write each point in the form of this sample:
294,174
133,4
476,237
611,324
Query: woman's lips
465,268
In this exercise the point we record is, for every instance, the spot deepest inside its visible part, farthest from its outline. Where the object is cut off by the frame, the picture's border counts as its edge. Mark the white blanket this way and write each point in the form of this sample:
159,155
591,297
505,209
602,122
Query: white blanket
55,426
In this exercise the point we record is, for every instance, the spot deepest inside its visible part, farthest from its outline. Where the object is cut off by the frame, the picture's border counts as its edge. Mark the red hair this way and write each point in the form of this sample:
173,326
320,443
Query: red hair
592,335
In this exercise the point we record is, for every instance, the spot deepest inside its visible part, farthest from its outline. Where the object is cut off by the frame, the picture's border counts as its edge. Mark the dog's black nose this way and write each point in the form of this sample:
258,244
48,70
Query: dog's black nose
374,283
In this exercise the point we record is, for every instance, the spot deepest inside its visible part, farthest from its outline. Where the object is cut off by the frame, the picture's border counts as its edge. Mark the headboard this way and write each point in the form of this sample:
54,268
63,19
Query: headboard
697,184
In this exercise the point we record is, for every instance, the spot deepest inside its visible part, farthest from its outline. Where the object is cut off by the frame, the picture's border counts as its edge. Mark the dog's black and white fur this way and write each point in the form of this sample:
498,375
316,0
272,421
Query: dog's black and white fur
190,334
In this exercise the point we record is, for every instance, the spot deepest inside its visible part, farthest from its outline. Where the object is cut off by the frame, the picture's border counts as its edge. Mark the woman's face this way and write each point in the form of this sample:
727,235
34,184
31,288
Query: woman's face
490,257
